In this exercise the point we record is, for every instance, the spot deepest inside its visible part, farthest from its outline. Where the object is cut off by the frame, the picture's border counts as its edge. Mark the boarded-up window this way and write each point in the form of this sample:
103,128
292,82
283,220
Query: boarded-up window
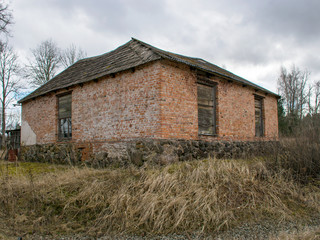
206,109
64,117
258,107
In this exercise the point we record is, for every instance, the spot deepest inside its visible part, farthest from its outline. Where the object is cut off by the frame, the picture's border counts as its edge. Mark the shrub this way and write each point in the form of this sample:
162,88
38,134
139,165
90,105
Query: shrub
300,154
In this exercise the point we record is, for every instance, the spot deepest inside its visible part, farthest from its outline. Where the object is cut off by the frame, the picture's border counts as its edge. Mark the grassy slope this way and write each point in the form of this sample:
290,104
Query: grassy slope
206,196
313,234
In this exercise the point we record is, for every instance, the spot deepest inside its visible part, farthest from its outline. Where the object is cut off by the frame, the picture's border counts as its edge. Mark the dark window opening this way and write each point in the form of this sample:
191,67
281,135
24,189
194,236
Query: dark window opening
258,107
64,117
206,109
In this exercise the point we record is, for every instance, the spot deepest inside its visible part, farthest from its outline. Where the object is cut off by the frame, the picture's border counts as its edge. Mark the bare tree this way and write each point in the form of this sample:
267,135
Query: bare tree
293,88
72,54
45,63
5,18
5,21
9,84
316,87
13,119
314,98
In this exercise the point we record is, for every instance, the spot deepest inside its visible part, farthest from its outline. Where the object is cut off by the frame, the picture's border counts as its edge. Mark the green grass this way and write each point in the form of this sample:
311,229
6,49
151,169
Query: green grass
27,168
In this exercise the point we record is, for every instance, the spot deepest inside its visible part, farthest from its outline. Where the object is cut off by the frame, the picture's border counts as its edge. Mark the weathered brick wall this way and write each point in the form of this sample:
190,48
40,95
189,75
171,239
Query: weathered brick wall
41,116
179,114
119,108
235,110
235,113
156,101
271,117
113,108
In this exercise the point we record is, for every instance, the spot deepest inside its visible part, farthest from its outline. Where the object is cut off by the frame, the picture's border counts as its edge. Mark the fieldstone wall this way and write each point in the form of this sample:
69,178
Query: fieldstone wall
139,152
65,153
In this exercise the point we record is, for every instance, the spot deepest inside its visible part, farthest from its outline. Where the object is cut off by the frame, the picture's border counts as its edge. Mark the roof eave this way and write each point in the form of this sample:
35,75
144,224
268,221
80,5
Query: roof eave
28,97
223,76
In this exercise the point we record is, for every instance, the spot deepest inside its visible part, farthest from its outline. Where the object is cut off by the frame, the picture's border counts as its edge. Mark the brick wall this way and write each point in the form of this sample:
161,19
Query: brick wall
125,106
41,115
179,116
235,114
271,117
119,108
157,100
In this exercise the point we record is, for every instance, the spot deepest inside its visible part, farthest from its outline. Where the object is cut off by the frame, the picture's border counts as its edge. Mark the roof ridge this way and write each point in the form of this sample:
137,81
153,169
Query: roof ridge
101,55
139,55
135,52
152,48
131,54
159,51
177,57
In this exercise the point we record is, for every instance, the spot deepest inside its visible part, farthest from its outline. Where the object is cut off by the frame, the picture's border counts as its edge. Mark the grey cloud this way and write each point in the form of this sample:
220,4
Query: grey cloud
264,24
232,32
120,17
295,18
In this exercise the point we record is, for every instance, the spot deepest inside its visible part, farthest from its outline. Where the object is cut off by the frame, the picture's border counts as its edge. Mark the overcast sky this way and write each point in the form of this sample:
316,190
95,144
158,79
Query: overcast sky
250,38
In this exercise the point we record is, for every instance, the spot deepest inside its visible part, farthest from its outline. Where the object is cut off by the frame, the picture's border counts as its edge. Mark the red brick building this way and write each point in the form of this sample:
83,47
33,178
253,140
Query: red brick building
138,91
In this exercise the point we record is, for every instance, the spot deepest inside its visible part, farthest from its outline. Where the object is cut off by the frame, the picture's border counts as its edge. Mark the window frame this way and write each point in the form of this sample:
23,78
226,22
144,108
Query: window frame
60,135
203,80
262,124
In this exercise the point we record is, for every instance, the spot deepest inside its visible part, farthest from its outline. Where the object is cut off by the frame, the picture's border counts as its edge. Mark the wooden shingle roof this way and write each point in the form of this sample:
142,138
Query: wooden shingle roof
127,56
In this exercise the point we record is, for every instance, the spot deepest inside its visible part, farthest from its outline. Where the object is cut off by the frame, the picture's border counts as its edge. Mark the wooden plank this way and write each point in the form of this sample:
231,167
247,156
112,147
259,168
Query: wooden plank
65,106
206,108
205,95
258,117
205,120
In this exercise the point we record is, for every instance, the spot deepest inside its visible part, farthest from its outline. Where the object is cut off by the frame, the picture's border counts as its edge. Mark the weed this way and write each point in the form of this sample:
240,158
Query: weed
207,196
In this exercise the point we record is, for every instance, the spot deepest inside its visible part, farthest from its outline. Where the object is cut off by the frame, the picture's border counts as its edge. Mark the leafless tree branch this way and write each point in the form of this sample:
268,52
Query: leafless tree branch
5,17
9,83
72,54
44,64
293,87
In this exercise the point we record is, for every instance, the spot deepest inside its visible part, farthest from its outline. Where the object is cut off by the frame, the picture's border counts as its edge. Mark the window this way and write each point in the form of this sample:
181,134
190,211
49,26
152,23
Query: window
258,108
64,117
206,109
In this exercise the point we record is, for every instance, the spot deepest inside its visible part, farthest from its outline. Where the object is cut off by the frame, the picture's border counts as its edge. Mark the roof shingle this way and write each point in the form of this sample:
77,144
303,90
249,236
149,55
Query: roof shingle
129,55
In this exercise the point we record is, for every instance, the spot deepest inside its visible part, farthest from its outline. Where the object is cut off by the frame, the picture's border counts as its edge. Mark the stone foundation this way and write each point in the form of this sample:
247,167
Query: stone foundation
139,152
51,153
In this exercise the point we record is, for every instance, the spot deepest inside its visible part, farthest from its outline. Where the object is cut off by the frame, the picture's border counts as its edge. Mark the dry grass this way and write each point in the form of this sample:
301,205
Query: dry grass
193,196
310,234
300,154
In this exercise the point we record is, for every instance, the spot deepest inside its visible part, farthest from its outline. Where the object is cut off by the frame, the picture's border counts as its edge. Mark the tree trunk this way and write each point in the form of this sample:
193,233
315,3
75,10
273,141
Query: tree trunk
3,143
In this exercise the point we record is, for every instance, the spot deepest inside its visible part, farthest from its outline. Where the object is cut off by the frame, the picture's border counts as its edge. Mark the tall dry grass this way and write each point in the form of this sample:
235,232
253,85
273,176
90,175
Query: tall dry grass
193,196
299,155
